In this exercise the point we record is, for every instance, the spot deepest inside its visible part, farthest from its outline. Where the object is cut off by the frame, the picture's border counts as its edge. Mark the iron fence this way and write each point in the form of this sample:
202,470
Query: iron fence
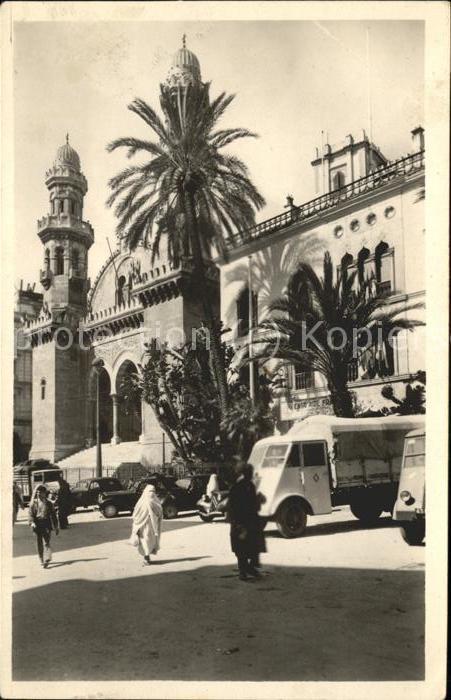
133,472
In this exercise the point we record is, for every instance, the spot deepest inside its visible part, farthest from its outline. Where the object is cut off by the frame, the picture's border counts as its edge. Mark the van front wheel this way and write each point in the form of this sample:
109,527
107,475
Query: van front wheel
413,533
366,508
291,519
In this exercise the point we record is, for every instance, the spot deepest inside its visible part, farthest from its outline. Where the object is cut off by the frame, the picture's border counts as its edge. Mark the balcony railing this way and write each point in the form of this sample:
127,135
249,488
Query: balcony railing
304,380
65,221
384,287
377,178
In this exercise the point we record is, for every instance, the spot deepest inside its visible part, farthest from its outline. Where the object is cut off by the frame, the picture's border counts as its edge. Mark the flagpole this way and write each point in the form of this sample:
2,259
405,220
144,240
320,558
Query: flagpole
250,333
322,161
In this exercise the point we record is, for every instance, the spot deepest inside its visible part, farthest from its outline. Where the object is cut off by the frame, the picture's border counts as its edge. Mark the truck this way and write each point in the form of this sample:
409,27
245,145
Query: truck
323,462
31,473
410,506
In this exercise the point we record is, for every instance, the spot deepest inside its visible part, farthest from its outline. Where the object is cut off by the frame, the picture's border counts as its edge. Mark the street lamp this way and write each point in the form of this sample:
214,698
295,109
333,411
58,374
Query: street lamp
98,366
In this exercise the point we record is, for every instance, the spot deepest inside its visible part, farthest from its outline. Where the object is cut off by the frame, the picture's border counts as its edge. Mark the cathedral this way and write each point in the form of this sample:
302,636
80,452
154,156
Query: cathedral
368,213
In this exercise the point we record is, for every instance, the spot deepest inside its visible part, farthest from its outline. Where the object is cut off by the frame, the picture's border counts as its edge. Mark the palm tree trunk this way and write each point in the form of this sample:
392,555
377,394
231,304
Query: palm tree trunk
341,397
212,323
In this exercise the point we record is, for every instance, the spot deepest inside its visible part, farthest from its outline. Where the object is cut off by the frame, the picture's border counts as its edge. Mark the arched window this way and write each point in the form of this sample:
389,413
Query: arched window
384,268
59,261
361,259
120,299
43,385
47,259
72,206
338,180
60,206
75,262
346,262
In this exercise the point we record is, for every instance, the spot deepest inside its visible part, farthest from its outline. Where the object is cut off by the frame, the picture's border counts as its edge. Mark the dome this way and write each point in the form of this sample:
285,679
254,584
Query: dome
67,156
184,58
185,68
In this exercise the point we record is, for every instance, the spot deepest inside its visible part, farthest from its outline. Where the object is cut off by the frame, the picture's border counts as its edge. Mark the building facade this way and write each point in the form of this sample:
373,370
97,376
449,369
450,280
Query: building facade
27,306
368,214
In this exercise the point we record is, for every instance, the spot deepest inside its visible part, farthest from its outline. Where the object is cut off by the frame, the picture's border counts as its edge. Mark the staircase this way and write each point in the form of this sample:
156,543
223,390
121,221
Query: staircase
112,456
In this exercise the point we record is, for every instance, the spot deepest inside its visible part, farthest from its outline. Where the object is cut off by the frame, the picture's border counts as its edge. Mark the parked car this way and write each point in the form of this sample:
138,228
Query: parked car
175,495
86,493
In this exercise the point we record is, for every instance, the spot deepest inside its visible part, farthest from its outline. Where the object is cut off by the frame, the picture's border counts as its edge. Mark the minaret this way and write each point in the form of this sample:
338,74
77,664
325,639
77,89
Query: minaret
66,237
60,360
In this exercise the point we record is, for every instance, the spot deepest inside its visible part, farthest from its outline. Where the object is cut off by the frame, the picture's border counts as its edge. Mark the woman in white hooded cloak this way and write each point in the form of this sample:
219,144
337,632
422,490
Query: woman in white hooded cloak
146,529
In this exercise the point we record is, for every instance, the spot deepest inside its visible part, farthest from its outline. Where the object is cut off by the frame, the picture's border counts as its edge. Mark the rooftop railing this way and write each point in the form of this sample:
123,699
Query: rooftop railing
377,178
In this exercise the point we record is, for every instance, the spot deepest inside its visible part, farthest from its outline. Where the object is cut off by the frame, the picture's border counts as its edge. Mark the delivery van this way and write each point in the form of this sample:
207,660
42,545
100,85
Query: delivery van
410,507
325,461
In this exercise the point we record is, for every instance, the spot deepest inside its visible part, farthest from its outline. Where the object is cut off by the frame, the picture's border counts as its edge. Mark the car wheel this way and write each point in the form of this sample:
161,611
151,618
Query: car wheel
110,510
291,519
170,511
413,533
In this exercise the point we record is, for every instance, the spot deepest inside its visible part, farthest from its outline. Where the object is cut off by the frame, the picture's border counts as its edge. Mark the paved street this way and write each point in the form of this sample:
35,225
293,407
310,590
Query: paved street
342,603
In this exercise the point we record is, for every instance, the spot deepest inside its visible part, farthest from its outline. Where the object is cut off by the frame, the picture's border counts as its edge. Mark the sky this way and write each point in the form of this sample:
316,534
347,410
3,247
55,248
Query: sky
291,80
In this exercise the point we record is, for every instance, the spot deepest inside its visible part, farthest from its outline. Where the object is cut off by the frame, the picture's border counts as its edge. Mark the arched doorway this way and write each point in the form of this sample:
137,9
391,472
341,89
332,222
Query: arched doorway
129,405
106,407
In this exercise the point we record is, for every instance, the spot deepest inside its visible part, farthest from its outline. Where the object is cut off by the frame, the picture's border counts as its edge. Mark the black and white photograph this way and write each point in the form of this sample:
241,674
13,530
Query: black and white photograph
229,295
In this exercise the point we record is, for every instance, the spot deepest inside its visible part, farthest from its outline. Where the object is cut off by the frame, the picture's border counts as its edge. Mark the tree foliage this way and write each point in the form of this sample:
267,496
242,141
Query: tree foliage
187,189
180,387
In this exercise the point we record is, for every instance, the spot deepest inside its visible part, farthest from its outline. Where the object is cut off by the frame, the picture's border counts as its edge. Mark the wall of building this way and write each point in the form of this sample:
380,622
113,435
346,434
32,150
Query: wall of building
44,408
392,214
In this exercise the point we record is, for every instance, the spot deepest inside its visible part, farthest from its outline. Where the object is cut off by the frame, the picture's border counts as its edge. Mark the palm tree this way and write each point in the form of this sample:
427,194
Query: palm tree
322,325
188,190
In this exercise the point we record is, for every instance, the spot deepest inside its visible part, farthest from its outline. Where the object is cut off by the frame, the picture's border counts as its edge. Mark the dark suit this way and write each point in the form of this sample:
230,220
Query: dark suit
246,529
64,504
43,526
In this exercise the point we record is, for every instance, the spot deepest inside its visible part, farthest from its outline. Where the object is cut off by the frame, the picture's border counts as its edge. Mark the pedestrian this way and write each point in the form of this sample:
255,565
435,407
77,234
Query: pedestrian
18,501
64,503
42,519
246,527
212,490
147,518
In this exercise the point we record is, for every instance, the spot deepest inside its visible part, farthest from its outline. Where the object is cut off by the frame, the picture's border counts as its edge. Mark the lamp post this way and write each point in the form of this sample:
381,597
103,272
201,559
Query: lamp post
250,333
98,365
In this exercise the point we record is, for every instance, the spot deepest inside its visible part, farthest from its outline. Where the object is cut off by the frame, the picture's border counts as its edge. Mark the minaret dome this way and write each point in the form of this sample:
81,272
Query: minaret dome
185,68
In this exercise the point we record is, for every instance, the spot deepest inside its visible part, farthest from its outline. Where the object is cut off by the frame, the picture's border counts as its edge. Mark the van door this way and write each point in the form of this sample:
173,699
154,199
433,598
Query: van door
315,475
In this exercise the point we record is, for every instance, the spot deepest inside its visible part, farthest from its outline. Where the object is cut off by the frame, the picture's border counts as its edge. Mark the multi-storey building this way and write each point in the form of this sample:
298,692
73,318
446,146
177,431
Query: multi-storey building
27,306
369,215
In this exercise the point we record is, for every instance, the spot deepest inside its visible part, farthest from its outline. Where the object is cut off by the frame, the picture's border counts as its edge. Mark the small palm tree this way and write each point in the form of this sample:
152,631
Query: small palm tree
187,190
320,325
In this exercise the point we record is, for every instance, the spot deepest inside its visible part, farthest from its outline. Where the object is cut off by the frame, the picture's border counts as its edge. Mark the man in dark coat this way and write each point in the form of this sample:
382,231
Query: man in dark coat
64,503
42,520
246,527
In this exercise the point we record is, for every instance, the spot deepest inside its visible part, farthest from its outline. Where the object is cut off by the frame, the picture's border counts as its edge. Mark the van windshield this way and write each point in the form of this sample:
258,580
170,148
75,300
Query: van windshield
415,451
275,455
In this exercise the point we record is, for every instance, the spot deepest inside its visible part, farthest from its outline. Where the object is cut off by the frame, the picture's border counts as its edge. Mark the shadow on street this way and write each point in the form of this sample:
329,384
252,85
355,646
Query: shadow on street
296,624
85,534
